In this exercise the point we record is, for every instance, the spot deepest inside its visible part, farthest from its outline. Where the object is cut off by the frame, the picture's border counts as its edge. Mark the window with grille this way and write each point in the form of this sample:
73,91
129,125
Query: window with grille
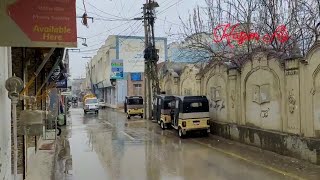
187,92
137,89
215,93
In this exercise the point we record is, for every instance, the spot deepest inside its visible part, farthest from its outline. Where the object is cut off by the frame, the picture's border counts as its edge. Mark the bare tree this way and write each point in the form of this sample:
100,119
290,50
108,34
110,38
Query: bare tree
230,30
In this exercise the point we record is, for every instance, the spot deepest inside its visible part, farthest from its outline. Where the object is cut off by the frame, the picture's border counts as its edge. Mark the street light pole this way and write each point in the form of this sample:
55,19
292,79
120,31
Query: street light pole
84,41
14,86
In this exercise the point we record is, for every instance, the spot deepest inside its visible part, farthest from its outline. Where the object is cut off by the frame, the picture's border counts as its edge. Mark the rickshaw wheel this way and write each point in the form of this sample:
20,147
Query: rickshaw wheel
180,133
58,131
128,116
162,125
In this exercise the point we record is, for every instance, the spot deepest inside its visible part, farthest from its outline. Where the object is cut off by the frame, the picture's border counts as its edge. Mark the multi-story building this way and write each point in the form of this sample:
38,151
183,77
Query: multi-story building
76,86
117,70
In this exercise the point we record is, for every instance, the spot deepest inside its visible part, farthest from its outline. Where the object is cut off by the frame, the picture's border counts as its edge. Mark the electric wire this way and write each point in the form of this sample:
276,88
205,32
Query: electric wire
103,17
104,11
117,35
169,7
123,39
107,30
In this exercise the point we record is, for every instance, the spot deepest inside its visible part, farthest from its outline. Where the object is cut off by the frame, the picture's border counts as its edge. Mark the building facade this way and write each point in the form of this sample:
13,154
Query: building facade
22,62
77,86
5,111
117,70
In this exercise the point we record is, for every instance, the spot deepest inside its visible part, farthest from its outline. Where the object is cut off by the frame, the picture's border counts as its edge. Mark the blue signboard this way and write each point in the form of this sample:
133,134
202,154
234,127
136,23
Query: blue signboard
136,77
62,84
116,69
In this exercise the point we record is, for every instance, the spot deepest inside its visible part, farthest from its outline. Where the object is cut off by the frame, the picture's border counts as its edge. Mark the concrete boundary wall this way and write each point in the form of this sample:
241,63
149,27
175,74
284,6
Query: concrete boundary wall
268,101
282,143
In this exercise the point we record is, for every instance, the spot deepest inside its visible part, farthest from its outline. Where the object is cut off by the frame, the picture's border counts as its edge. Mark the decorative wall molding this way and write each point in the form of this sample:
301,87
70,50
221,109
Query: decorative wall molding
283,100
292,102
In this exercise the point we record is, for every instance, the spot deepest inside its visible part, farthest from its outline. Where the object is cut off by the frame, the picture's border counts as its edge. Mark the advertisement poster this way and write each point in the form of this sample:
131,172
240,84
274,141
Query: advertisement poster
38,23
116,69
131,51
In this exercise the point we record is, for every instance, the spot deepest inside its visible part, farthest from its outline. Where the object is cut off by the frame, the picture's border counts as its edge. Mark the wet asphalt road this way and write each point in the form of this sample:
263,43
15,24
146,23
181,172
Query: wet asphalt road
110,147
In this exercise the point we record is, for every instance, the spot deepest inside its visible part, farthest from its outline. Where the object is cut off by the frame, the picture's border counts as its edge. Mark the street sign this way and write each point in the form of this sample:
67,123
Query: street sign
68,93
116,69
38,23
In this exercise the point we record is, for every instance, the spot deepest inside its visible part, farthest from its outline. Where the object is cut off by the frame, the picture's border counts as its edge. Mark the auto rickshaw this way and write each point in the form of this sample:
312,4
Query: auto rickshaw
191,113
162,110
133,106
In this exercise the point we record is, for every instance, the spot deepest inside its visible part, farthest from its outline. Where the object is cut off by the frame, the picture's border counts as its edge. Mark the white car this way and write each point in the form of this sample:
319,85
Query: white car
91,105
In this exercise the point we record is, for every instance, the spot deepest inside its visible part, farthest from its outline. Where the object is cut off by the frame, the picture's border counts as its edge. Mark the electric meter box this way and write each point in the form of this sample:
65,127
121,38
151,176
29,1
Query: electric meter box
32,122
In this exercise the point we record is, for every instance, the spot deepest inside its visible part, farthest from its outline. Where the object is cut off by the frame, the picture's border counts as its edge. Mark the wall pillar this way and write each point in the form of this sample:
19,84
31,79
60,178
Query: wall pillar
232,96
176,82
292,97
198,85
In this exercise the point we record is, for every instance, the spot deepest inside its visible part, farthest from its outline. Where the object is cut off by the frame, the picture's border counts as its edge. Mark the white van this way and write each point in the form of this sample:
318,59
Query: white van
91,105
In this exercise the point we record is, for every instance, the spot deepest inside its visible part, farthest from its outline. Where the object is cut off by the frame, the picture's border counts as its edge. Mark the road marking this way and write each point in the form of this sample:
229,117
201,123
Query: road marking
126,134
106,122
247,160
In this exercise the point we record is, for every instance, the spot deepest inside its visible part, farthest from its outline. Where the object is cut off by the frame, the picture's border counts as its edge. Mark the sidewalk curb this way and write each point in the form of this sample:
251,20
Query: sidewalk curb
55,160
120,110
42,164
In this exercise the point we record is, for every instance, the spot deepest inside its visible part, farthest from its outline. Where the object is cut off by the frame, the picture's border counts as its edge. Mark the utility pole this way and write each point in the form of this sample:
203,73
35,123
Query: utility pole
146,39
89,65
151,57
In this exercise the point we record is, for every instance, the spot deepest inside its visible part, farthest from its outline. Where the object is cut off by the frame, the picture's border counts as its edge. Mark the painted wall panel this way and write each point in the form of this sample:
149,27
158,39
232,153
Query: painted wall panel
121,91
131,48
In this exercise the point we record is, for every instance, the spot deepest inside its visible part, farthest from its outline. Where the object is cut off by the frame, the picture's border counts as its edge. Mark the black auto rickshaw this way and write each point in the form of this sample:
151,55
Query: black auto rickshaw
74,101
162,109
133,106
191,113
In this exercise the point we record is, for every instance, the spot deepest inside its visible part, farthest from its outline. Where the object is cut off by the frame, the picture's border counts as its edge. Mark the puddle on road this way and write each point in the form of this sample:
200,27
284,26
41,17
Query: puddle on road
108,147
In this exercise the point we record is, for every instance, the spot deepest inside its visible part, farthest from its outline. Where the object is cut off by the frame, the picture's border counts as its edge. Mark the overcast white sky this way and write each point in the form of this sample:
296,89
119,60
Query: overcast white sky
167,23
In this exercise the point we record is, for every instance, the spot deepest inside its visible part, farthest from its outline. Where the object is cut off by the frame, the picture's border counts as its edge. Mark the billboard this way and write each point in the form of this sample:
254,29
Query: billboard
116,69
38,23
131,51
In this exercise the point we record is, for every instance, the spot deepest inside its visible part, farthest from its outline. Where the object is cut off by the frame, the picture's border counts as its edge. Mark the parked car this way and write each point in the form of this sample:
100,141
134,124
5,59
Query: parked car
91,104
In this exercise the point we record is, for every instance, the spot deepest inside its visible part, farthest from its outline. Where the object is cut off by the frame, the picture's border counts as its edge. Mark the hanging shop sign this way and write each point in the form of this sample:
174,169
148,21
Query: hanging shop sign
38,23
62,84
116,69
66,93
230,34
